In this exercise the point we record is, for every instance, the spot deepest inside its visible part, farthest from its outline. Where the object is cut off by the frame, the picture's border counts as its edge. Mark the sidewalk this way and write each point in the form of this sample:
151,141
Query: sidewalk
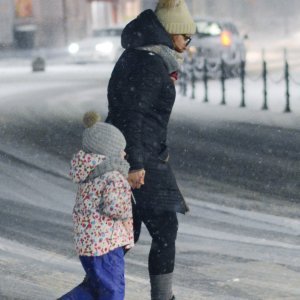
22,57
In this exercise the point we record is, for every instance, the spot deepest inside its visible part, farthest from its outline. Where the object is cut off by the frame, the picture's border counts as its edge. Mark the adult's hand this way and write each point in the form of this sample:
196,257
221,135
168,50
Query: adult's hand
136,178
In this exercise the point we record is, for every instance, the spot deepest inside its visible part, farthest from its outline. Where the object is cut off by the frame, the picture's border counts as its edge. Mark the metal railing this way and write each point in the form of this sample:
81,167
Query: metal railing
194,72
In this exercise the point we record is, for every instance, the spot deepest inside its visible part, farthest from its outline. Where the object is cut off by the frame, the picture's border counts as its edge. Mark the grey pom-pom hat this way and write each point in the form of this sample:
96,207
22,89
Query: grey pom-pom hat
103,138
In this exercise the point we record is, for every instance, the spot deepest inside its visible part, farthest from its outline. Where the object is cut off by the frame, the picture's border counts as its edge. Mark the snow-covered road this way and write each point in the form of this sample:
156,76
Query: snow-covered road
238,168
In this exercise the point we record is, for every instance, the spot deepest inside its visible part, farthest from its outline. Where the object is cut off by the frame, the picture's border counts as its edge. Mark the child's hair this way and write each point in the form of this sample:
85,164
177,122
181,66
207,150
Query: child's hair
101,138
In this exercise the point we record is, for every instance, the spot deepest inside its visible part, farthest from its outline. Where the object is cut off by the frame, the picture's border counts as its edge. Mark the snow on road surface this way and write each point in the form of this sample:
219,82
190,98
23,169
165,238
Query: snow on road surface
233,244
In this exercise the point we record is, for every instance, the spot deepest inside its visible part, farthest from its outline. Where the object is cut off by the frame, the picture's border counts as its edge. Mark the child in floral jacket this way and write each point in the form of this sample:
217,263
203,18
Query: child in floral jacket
102,213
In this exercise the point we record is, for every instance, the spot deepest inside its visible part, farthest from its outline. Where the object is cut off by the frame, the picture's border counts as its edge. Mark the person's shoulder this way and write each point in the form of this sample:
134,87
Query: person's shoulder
144,58
149,56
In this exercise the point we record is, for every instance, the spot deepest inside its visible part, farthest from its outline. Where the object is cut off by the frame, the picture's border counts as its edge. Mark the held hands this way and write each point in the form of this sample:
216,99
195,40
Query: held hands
136,178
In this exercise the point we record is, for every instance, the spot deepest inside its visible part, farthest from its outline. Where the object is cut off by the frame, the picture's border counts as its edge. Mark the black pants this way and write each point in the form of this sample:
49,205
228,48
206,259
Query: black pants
162,227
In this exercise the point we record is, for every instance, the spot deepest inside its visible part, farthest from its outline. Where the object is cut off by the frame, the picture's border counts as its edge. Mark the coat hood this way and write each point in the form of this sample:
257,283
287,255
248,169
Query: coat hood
145,30
83,164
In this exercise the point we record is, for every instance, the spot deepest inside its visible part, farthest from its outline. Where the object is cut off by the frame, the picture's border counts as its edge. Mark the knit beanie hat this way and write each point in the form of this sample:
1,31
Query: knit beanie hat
101,138
174,15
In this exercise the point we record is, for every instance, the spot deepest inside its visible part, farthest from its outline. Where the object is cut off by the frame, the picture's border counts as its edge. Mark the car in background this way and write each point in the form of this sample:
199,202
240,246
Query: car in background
103,46
215,41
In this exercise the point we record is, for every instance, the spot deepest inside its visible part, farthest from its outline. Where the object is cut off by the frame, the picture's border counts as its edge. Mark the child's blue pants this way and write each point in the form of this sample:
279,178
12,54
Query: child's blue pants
104,278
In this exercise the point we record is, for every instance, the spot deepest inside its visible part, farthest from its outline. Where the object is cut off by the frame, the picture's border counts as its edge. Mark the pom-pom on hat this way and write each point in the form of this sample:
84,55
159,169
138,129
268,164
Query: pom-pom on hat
174,15
101,138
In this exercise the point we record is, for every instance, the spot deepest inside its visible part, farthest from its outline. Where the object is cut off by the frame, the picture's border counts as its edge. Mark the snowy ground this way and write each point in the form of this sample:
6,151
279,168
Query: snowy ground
241,238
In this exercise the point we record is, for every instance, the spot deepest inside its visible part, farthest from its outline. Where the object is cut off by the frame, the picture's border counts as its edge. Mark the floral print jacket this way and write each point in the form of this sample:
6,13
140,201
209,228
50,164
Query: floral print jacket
102,214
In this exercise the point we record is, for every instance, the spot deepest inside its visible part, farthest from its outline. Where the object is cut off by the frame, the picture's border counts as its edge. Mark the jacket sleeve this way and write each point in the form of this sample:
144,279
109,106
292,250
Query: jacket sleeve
116,200
142,91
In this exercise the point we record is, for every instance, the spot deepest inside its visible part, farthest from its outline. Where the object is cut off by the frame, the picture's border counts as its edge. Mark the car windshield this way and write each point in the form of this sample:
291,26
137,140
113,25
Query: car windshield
107,32
207,28
231,27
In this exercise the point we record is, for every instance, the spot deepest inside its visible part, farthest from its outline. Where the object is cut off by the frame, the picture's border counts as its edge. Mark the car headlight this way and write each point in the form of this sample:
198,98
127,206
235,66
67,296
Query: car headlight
104,48
73,48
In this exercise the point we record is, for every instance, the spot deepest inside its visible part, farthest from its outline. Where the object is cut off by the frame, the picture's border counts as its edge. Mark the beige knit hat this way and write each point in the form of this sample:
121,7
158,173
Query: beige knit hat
175,17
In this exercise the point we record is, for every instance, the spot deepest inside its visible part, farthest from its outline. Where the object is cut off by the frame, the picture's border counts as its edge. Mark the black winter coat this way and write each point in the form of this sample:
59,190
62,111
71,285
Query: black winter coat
141,97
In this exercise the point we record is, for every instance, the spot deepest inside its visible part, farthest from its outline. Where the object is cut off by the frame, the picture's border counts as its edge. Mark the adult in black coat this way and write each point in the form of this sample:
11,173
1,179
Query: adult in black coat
141,94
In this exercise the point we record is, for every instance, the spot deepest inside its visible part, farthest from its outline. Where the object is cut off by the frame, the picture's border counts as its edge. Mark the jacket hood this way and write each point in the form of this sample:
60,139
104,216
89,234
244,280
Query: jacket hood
82,164
145,30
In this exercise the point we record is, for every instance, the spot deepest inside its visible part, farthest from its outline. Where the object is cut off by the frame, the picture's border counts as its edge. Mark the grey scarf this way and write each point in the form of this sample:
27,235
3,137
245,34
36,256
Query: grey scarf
108,165
171,58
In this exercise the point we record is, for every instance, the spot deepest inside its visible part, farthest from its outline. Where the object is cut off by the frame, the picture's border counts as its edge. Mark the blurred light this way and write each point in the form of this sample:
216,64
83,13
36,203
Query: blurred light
104,48
192,49
73,48
226,39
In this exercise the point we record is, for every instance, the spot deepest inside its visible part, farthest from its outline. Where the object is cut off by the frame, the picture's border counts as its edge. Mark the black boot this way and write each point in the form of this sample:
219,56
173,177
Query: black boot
161,287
